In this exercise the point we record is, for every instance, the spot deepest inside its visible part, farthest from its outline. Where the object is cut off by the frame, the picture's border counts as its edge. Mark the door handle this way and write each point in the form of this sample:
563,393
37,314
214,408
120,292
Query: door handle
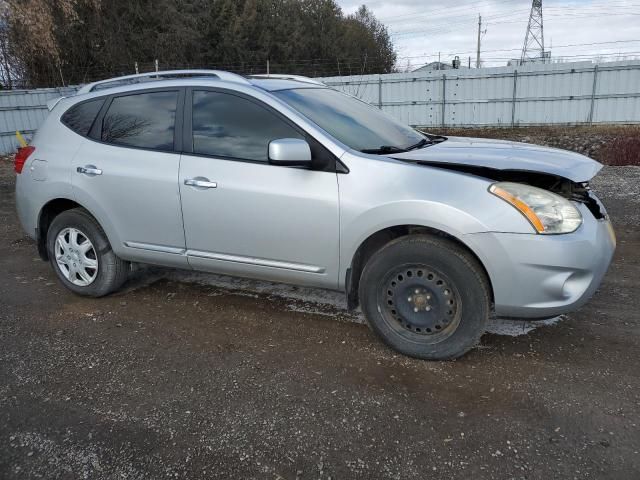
89,170
200,183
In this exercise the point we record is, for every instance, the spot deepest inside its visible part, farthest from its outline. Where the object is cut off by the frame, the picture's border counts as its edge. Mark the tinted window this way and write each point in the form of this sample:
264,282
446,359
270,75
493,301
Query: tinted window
353,122
230,126
142,120
80,117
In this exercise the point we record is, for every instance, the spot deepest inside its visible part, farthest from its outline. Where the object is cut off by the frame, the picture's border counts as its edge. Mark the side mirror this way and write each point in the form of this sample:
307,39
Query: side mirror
289,152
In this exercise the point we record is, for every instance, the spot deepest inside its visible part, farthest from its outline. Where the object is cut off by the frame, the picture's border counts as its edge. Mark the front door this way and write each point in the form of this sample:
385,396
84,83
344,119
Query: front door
243,216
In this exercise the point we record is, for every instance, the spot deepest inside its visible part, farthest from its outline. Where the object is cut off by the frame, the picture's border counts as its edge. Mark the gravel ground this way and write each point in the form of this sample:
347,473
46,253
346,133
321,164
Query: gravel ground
185,375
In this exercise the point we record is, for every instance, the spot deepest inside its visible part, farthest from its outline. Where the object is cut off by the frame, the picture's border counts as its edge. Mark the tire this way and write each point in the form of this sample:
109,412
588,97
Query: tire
426,297
95,272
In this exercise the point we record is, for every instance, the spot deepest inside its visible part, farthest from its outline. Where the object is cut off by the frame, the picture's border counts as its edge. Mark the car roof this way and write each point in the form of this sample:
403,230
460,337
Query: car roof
274,84
198,77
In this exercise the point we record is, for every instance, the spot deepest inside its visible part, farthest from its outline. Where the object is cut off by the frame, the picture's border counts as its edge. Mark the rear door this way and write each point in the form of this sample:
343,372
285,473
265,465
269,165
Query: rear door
127,172
251,218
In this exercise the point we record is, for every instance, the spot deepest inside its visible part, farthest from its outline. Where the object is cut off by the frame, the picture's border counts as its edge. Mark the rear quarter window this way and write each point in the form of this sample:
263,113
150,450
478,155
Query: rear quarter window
81,116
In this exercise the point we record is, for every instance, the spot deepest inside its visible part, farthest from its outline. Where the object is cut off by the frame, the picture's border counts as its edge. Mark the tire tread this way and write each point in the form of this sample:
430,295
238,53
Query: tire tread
437,242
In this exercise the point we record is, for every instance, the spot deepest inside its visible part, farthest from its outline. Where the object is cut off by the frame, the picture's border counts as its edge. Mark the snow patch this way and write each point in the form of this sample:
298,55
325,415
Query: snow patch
327,302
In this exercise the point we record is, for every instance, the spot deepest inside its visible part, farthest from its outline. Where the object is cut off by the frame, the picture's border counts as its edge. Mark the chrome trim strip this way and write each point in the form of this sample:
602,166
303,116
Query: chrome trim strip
155,248
262,262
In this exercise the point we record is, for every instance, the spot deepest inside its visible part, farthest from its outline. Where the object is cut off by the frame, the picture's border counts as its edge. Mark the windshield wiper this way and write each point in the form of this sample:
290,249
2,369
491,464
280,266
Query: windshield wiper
436,138
420,144
391,149
384,149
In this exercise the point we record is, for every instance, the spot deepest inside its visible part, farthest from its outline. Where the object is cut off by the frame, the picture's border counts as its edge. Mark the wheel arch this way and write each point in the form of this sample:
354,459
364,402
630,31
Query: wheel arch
48,212
375,241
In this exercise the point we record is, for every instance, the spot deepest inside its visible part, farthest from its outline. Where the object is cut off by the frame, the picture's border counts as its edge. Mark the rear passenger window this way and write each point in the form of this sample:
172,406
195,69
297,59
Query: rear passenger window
144,120
80,117
230,126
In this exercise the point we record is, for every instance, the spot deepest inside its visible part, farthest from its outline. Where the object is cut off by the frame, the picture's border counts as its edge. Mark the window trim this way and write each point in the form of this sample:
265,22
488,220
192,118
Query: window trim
187,137
182,142
95,134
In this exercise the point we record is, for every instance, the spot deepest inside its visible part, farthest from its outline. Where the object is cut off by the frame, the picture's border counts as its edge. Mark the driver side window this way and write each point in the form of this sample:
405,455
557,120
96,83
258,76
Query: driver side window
230,126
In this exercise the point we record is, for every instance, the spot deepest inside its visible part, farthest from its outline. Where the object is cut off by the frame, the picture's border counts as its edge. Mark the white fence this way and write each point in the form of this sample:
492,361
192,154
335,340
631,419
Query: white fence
534,94
551,94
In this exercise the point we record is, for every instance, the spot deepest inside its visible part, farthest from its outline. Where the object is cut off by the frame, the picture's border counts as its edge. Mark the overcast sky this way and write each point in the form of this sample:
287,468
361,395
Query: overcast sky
422,28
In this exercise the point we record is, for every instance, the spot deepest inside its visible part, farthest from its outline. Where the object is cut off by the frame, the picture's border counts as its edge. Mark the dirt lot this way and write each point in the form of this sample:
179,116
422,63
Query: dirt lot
196,376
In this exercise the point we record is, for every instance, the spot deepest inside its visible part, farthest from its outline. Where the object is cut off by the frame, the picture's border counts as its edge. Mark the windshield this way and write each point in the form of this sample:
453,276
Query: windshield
353,122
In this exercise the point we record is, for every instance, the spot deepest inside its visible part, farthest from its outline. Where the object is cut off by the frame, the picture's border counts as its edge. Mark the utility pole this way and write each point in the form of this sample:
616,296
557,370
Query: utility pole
533,47
479,30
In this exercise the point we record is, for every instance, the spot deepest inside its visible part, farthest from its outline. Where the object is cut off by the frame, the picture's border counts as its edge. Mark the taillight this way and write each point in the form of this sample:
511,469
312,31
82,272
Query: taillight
21,157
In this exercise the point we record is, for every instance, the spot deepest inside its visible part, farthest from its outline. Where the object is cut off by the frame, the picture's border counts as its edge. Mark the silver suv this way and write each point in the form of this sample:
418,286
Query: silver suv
281,178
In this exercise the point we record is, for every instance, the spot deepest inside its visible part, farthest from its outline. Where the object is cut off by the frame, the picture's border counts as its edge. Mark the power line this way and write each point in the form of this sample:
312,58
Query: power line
596,9
452,10
444,28
450,14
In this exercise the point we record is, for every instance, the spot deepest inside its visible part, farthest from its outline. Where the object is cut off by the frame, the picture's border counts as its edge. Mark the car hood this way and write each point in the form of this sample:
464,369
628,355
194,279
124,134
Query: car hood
504,155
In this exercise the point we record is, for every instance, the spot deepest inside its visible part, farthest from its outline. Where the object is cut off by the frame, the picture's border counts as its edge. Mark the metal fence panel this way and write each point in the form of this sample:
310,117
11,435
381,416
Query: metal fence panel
617,95
24,110
534,94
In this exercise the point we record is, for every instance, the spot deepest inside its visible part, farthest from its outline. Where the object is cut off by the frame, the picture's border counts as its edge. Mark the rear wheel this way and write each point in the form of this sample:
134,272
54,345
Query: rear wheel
81,255
426,297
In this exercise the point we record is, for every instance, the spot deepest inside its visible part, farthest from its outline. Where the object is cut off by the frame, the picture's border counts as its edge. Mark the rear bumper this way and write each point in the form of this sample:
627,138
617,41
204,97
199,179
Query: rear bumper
24,207
539,276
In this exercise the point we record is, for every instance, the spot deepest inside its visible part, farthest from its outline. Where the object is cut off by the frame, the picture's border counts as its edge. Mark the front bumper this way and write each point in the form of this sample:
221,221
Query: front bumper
540,276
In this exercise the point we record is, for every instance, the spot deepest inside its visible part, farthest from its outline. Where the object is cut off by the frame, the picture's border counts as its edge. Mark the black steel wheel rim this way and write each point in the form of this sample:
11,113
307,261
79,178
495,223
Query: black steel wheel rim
420,302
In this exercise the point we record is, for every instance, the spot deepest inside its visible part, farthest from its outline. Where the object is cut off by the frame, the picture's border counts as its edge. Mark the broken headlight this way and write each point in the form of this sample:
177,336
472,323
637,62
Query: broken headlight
547,212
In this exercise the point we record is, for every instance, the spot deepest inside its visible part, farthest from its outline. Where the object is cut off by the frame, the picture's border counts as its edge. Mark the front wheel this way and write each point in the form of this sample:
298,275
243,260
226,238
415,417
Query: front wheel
426,297
81,255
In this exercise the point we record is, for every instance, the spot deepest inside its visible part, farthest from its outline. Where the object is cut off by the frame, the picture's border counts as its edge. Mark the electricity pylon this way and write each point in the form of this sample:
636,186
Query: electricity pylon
533,48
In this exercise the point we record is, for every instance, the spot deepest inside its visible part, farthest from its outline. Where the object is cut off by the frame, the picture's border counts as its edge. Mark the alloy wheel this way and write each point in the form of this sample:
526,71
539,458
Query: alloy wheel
76,257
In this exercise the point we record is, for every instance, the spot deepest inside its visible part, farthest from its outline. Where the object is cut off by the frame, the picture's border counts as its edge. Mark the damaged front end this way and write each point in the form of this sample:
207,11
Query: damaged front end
571,190
575,191
561,172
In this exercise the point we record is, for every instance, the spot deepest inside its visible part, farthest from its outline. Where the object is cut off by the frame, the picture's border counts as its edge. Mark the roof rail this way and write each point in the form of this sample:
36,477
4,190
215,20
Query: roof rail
279,76
161,75
51,104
